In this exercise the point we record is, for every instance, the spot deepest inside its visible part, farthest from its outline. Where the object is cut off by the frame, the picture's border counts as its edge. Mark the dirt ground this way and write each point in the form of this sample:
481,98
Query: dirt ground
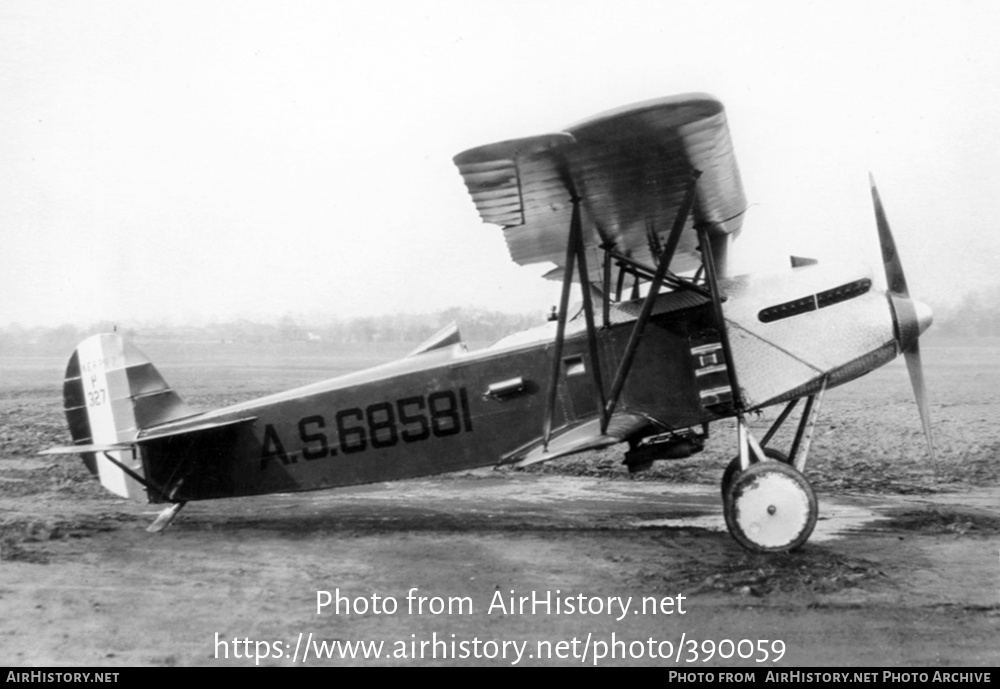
903,570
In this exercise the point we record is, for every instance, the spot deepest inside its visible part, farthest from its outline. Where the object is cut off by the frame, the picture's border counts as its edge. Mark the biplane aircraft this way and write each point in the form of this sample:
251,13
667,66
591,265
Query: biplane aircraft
639,207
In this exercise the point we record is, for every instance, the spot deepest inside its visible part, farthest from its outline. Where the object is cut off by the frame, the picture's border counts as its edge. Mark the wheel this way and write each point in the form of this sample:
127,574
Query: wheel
770,507
733,467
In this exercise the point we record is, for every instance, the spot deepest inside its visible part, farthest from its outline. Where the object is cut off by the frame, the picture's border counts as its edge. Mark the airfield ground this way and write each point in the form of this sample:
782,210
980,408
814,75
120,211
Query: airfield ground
904,568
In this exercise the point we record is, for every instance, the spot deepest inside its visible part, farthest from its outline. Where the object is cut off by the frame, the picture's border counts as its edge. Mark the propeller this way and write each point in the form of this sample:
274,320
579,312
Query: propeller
910,316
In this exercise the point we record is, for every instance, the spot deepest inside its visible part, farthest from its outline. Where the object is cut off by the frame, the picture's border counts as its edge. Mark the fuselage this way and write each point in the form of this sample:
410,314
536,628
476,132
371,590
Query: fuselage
448,409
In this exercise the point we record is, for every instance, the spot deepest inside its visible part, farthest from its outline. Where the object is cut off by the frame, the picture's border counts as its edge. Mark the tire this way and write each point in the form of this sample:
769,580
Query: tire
770,507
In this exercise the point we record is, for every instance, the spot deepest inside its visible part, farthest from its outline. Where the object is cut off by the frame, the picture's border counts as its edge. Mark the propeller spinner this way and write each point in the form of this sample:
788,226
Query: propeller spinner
911,317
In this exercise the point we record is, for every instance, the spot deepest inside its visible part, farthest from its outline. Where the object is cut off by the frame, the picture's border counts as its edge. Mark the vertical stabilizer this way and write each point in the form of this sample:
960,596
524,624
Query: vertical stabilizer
111,392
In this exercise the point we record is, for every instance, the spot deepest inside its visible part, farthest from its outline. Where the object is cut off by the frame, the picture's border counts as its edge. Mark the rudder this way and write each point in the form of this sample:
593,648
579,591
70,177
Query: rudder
111,392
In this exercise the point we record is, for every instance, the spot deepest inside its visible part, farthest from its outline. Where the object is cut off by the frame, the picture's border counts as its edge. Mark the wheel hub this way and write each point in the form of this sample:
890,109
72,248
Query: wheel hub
770,507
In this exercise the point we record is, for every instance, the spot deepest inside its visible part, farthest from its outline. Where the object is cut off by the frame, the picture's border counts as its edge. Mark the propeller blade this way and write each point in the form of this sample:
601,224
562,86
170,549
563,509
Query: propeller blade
912,318
916,370
890,259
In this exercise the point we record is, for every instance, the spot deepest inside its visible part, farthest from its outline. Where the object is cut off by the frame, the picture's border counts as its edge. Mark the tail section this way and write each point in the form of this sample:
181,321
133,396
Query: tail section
111,392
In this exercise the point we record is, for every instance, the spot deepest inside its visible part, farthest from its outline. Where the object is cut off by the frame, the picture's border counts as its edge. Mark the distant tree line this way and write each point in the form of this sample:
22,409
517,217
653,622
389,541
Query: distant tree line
977,315
477,325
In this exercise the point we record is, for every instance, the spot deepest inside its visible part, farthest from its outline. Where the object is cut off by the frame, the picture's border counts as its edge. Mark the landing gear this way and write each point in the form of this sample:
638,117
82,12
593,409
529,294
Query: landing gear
734,467
770,507
768,504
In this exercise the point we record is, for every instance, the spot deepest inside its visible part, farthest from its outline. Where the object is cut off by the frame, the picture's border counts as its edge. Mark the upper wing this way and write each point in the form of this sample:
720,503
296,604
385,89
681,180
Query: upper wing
629,167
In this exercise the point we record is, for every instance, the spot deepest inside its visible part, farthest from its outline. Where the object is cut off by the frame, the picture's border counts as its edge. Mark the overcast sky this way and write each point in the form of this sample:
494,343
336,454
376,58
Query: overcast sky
177,161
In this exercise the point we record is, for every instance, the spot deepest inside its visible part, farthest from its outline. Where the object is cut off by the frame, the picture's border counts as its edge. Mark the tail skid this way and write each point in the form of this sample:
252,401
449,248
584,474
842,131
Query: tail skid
164,518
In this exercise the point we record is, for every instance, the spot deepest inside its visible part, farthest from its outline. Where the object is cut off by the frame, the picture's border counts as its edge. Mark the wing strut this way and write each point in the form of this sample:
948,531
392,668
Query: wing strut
606,286
575,253
647,305
588,311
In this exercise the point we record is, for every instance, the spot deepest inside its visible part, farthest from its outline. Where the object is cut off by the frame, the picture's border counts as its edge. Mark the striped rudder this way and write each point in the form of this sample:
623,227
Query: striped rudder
111,392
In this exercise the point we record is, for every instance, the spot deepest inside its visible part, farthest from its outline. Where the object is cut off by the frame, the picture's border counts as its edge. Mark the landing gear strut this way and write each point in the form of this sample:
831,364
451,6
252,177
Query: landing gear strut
768,504
734,468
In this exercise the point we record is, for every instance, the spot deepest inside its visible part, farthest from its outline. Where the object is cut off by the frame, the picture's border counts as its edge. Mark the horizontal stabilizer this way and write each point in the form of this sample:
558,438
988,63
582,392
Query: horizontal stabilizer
177,431
81,449
152,436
